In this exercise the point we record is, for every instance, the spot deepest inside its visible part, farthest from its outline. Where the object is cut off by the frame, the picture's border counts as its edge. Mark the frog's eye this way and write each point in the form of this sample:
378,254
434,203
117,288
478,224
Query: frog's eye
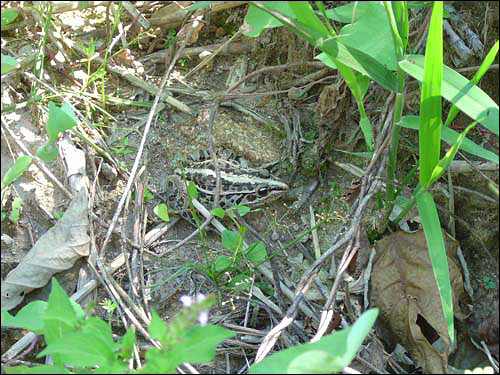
262,191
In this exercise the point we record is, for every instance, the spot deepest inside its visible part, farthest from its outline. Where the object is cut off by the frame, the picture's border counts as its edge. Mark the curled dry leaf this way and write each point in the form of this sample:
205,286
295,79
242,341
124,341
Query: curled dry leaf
404,288
57,250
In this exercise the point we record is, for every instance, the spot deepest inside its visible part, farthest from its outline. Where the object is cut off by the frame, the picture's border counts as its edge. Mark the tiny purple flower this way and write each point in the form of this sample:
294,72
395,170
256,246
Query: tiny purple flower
203,318
187,301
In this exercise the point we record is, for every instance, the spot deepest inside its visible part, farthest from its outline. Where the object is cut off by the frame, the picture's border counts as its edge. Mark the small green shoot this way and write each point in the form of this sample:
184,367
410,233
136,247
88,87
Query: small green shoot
109,306
171,38
60,119
122,149
161,210
148,196
488,283
16,207
13,173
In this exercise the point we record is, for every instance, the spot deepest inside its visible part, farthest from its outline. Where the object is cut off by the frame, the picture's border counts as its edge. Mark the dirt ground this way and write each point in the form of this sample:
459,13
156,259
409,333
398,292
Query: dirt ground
304,128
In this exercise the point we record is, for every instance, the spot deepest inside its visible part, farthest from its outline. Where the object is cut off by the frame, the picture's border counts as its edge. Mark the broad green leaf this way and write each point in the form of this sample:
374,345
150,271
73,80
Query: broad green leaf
374,41
348,55
450,136
242,210
199,343
328,355
61,318
359,61
47,152
218,212
222,263
59,119
92,346
161,210
240,282
429,133
16,170
60,310
257,19
30,317
304,13
8,15
157,328
437,253
256,253
348,13
127,344
8,64
230,240
459,91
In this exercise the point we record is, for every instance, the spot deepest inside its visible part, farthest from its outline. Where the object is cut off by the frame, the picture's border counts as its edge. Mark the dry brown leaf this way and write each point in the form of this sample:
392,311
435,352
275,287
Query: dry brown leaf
57,250
404,288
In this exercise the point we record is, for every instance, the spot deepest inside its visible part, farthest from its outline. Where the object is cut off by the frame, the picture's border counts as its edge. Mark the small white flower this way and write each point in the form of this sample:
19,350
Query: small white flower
186,301
203,318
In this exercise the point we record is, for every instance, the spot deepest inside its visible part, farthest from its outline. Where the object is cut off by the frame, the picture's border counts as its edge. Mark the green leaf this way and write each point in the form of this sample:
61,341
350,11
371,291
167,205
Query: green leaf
20,165
30,317
346,13
242,210
59,120
400,9
157,328
303,12
91,346
47,152
443,164
450,136
348,55
256,253
161,210
328,355
488,60
374,41
259,20
61,317
191,190
8,64
459,91
199,343
222,263
127,345
240,282
437,253
8,15
16,206
218,212
366,128
429,134
230,240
